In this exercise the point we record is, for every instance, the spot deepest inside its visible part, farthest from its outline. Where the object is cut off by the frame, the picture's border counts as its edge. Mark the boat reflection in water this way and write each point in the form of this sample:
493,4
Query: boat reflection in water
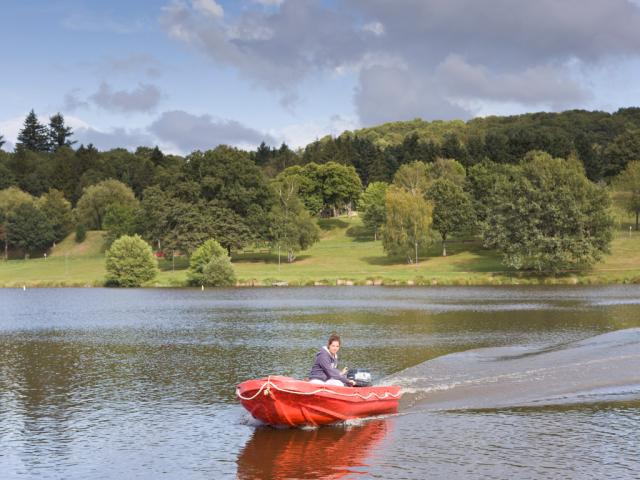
327,452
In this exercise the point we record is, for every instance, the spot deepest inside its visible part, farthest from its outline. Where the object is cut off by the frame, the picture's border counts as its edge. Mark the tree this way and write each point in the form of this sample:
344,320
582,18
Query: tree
341,186
497,147
629,180
6,175
171,223
447,169
309,182
130,262
218,273
85,166
29,228
452,148
413,177
228,177
189,225
262,154
372,206
228,227
2,141
81,233
10,199
33,135
624,149
155,207
178,225
327,188
157,157
548,216
66,172
59,133
481,184
407,223
452,210
32,170
120,219
58,210
588,152
291,227
275,160
134,170
96,199
211,266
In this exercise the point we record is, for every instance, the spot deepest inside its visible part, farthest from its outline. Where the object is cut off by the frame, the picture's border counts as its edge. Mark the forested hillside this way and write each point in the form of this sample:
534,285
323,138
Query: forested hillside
535,188
603,142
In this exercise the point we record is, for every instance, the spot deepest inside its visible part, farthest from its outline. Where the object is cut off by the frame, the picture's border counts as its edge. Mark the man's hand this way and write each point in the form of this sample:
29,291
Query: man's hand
345,370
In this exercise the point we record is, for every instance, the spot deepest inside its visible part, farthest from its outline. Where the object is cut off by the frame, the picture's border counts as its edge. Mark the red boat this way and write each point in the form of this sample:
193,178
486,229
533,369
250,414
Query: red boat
284,401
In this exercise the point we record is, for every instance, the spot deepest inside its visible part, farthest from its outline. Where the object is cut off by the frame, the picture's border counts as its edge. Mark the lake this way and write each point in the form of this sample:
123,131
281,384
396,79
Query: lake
512,383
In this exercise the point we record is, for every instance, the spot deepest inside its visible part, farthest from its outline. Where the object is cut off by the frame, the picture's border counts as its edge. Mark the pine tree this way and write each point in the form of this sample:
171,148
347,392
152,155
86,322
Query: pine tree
157,157
1,140
59,133
33,135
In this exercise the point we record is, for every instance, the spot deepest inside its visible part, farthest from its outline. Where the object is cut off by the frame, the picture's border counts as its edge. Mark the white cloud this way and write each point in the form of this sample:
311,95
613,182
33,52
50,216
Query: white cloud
188,132
535,85
277,49
514,52
75,122
301,134
376,28
390,94
144,98
72,101
10,128
269,3
178,27
208,7
113,138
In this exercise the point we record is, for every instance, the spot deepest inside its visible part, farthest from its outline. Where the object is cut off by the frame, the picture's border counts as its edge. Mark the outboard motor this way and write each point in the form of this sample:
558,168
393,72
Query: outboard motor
361,376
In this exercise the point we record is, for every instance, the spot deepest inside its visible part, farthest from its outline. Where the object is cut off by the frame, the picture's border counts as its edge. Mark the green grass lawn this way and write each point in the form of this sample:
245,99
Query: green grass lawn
346,253
68,264
93,246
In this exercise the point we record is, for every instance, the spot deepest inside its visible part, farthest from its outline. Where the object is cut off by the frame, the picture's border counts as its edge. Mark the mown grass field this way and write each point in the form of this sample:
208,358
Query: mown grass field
69,264
346,254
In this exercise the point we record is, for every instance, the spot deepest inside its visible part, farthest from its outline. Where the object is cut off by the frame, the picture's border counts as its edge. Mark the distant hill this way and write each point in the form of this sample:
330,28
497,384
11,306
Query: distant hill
604,142
570,122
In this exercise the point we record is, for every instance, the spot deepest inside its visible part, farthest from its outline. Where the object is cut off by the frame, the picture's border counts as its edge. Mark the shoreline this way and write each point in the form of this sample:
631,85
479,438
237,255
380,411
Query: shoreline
505,281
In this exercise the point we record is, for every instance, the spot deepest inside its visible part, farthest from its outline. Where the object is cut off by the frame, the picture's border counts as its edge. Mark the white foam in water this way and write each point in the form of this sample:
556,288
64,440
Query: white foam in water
605,367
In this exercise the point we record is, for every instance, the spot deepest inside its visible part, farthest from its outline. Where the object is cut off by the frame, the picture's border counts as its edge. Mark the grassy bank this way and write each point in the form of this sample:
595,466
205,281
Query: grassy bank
346,254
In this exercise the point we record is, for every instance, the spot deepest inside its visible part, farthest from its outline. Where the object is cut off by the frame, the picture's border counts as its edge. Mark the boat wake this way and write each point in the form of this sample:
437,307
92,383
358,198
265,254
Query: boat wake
599,369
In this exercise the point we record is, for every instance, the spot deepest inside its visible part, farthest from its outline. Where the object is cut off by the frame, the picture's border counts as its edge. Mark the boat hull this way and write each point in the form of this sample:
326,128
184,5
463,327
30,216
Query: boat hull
284,401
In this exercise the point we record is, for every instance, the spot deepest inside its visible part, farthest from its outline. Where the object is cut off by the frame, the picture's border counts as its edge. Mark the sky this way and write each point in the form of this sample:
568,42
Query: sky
192,74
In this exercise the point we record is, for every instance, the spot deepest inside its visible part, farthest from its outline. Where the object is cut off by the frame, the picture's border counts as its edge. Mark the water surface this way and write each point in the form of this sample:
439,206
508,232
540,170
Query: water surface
500,382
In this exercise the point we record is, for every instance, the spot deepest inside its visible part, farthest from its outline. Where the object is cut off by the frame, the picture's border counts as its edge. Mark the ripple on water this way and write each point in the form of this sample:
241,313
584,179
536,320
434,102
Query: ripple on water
112,384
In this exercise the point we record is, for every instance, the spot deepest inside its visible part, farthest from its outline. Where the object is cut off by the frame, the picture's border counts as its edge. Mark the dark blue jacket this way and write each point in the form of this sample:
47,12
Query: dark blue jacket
326,367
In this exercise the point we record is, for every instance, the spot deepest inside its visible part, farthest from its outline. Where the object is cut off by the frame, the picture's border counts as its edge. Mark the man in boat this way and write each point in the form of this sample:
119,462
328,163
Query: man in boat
325,369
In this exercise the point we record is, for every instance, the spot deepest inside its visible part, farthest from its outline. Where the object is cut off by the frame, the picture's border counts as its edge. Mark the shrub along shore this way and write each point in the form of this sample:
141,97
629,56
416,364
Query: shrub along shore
345,255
